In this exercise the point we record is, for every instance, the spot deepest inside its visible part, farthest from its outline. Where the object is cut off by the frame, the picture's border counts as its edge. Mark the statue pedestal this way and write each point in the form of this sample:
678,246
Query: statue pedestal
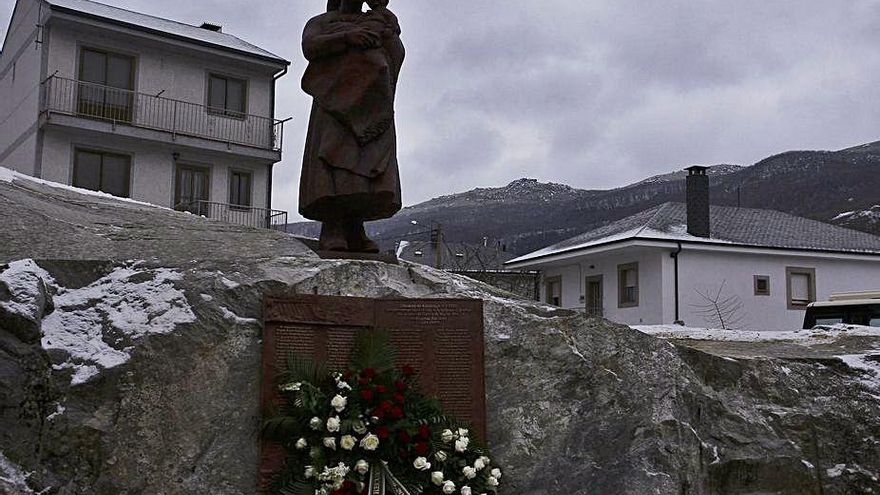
389,258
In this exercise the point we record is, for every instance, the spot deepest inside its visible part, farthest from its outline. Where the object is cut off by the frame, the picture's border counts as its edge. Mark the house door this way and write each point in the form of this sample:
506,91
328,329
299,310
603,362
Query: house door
594,296
191,190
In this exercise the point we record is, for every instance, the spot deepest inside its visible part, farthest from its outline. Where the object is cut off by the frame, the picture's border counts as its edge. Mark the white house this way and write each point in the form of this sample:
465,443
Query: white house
672,263
138,106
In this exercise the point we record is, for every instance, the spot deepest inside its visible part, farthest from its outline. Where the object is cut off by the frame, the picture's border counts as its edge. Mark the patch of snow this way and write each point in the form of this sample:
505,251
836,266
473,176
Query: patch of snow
24,279
7,175
13,475
206,297
230,284
868,363
836,471
59,410
133,301
401,247
694,333
229,315
808,464
843,215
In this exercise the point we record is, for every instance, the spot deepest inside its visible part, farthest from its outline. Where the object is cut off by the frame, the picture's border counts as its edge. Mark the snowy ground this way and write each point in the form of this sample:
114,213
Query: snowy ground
7,175
679,332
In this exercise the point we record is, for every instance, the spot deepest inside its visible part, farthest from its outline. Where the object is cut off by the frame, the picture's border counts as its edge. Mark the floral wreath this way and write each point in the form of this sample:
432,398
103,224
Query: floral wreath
368,430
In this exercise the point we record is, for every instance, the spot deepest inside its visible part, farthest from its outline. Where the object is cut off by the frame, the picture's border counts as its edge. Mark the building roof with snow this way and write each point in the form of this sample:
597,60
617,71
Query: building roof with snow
731,226
163,27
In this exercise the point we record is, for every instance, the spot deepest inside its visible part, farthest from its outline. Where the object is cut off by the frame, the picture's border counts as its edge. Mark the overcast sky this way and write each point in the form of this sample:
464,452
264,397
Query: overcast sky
591,93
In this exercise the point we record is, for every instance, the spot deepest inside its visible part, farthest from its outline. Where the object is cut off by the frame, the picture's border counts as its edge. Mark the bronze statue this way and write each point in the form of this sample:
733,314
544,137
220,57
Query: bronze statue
349,172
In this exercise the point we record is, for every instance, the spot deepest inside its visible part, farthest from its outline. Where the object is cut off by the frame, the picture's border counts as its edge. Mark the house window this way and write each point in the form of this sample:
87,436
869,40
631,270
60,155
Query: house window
801,283
191,190
106,83
240,189
100,171
553,287
628,285
226,95
762,285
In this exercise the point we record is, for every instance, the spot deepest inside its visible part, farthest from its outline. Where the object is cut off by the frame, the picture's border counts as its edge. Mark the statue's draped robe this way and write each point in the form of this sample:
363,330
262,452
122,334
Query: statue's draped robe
350,160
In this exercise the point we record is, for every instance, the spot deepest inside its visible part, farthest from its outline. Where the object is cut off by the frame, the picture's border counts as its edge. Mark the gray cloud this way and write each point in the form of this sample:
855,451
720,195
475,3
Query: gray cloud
594,93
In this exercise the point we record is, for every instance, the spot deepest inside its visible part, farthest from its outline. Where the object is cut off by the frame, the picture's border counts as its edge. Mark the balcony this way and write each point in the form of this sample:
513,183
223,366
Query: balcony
248,216
178,118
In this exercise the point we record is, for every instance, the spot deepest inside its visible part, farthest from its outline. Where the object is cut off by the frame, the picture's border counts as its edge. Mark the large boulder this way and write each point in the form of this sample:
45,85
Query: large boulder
142,377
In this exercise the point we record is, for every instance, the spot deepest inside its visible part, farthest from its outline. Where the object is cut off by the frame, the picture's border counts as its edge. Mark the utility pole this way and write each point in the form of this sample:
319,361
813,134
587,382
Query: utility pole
437,242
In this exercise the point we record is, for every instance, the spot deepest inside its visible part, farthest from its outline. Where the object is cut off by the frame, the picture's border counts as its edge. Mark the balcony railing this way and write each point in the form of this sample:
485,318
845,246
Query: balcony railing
249,216
121,106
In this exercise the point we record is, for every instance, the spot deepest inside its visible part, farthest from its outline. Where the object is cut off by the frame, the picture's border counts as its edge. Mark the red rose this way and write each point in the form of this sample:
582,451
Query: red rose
382,432
367,395
424,432
408,370
386,405
381,389
363,381
379,413
399,398
396,412
421,448
368,373
404,436
400,385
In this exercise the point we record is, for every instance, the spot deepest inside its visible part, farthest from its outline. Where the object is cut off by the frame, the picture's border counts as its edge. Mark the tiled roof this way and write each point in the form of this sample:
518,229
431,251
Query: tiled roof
162,26
729,225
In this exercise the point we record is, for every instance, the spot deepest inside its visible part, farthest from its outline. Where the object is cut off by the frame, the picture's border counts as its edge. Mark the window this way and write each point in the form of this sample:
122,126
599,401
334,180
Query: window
628,285
100,171
874,322
226,95
801,284
107,80
191,189
553,287
240,188
762,285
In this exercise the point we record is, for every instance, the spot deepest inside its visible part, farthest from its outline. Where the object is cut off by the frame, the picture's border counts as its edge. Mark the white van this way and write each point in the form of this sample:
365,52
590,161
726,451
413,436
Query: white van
853,308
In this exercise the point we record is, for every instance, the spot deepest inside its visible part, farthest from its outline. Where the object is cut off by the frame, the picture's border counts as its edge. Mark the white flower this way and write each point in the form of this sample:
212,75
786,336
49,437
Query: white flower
333,424
462,432
461,444
479,464
465,490
301,444
447,436
370,442
310,472
362,467
338,402
316,423
421,464
485,460
469,472
493,481
347,442
330,443
359,427
441,456
448,488
291,387
496,473
343,385
437,478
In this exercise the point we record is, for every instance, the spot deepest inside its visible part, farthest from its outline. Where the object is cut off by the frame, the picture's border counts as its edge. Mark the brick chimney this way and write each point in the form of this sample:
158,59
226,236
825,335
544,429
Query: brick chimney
698,201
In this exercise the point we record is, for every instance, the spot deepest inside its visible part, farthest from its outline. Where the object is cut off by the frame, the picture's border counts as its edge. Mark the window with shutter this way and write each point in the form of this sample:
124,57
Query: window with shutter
553,287
628,285
801,286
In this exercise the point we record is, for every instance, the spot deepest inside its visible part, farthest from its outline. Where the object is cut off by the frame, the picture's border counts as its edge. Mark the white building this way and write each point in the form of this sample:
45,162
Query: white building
137,106
671,263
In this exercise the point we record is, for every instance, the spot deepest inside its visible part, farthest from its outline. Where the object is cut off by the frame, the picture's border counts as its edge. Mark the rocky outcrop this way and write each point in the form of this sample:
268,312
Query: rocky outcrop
142,377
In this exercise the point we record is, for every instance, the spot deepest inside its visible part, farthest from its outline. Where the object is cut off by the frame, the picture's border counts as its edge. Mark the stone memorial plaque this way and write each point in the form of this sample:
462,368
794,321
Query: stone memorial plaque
441,338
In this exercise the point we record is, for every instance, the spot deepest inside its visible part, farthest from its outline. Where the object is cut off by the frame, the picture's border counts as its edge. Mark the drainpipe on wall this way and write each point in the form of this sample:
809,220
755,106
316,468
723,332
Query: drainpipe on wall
675,255
275,79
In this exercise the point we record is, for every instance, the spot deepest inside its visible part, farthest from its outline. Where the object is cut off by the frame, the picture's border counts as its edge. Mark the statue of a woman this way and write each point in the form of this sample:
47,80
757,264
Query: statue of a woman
349,172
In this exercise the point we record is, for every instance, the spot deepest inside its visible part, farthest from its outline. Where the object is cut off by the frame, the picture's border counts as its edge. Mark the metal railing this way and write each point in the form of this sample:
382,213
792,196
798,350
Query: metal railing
121,106
241,215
